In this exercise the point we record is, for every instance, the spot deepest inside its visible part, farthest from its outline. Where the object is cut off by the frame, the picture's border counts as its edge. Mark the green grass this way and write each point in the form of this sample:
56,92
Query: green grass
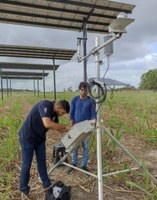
129,112
133,112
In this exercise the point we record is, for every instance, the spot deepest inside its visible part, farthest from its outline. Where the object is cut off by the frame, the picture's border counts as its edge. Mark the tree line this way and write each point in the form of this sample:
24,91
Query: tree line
149,80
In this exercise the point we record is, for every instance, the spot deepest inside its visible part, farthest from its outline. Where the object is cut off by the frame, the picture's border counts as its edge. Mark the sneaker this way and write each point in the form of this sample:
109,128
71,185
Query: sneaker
70,169
86,169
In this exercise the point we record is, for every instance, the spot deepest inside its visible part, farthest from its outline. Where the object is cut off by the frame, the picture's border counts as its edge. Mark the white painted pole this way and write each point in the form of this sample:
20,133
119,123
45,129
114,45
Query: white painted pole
99,154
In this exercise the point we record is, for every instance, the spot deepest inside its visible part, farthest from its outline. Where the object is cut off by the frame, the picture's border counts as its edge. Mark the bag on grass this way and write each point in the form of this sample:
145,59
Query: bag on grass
59,191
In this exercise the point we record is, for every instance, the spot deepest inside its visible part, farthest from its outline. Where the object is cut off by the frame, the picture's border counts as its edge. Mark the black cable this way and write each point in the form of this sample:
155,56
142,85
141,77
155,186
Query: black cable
99,99
101,95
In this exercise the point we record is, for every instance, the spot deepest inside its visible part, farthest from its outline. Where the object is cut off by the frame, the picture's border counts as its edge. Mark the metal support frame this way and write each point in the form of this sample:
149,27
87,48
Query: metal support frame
34,87
128,153
1,83
99,151
7,87
98,131
54,79
10,87
84,49
95,50
44,84
38,87
99,174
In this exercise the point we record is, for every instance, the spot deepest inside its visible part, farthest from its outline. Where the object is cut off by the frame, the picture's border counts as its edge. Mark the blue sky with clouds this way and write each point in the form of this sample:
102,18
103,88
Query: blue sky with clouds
134,53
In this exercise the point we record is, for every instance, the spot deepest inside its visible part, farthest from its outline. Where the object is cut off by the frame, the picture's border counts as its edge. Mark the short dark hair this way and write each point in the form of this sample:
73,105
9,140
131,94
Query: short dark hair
84,85
64,104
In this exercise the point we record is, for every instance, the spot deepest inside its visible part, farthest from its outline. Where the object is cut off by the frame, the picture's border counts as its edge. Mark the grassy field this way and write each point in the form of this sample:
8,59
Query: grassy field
129,112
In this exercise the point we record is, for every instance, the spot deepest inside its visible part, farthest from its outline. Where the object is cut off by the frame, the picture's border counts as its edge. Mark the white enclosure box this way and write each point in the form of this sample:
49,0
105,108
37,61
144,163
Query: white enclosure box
77,134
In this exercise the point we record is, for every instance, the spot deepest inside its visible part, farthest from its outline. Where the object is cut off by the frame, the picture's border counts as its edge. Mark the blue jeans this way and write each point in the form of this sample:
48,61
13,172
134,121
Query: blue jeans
28,150
85,153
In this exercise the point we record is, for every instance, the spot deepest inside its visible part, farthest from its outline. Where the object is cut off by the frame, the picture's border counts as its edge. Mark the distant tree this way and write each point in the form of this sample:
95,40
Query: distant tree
149,80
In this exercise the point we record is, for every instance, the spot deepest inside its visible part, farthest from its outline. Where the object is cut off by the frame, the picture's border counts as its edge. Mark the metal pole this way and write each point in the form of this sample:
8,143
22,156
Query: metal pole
34,86
99,154
1,83
95,50
54,79
10,88
38,86
44,84
84,50
7,87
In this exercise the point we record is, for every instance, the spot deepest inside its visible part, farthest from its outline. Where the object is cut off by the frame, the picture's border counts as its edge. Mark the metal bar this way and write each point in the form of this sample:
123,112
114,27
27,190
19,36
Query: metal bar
54,79
59,162
12,73
7,87
81,170
122,171
26,66
1,83
10,88
34,86
95,50
44,84
38,86
23,77
128,153
84,50
25,55
99,150
34,51
37,50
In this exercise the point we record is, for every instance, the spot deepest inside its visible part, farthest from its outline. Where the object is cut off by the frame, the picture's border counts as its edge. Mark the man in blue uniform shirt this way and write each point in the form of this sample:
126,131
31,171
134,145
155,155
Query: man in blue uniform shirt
82,108
32,136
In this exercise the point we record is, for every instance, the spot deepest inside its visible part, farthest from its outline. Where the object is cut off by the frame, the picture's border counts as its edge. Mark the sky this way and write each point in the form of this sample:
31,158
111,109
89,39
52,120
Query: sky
134,53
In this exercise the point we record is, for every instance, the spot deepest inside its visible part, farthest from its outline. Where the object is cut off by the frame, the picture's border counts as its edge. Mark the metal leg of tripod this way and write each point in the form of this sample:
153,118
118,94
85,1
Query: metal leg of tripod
128,153
59,162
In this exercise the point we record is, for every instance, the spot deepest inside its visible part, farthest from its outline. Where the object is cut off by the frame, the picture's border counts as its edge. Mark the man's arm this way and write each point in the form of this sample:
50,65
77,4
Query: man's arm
71,123
53,125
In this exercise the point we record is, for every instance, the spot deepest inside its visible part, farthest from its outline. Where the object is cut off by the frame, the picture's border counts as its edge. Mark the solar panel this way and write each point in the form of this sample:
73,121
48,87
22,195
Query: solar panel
63,14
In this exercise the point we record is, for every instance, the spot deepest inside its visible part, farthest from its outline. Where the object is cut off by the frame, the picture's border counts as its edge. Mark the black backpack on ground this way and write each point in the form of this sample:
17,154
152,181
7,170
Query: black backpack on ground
59,191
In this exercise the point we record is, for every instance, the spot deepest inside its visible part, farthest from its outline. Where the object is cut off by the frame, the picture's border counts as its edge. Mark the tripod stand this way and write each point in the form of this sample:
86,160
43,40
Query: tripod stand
85,132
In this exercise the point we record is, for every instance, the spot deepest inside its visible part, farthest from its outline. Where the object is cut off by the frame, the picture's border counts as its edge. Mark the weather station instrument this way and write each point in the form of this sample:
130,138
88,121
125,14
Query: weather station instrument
84,129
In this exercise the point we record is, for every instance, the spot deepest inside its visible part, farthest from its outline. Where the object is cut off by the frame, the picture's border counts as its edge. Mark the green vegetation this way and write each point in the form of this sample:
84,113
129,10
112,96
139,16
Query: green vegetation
128,112
149,80
132,112
10,120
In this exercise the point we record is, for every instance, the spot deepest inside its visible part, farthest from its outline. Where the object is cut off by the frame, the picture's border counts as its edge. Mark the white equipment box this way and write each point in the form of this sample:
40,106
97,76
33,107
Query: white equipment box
77,134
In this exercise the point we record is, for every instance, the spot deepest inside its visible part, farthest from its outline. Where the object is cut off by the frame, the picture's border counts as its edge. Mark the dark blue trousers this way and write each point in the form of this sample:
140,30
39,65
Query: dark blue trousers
28,150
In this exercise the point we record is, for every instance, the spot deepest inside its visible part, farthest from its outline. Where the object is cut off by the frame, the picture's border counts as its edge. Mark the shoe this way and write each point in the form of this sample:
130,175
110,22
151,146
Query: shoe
70,169
86,169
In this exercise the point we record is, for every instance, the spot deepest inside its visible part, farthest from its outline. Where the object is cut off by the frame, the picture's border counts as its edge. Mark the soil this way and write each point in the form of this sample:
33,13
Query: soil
86,188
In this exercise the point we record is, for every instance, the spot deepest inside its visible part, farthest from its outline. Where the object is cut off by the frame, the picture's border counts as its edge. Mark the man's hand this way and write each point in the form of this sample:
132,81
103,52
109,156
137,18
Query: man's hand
63,133
68,128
